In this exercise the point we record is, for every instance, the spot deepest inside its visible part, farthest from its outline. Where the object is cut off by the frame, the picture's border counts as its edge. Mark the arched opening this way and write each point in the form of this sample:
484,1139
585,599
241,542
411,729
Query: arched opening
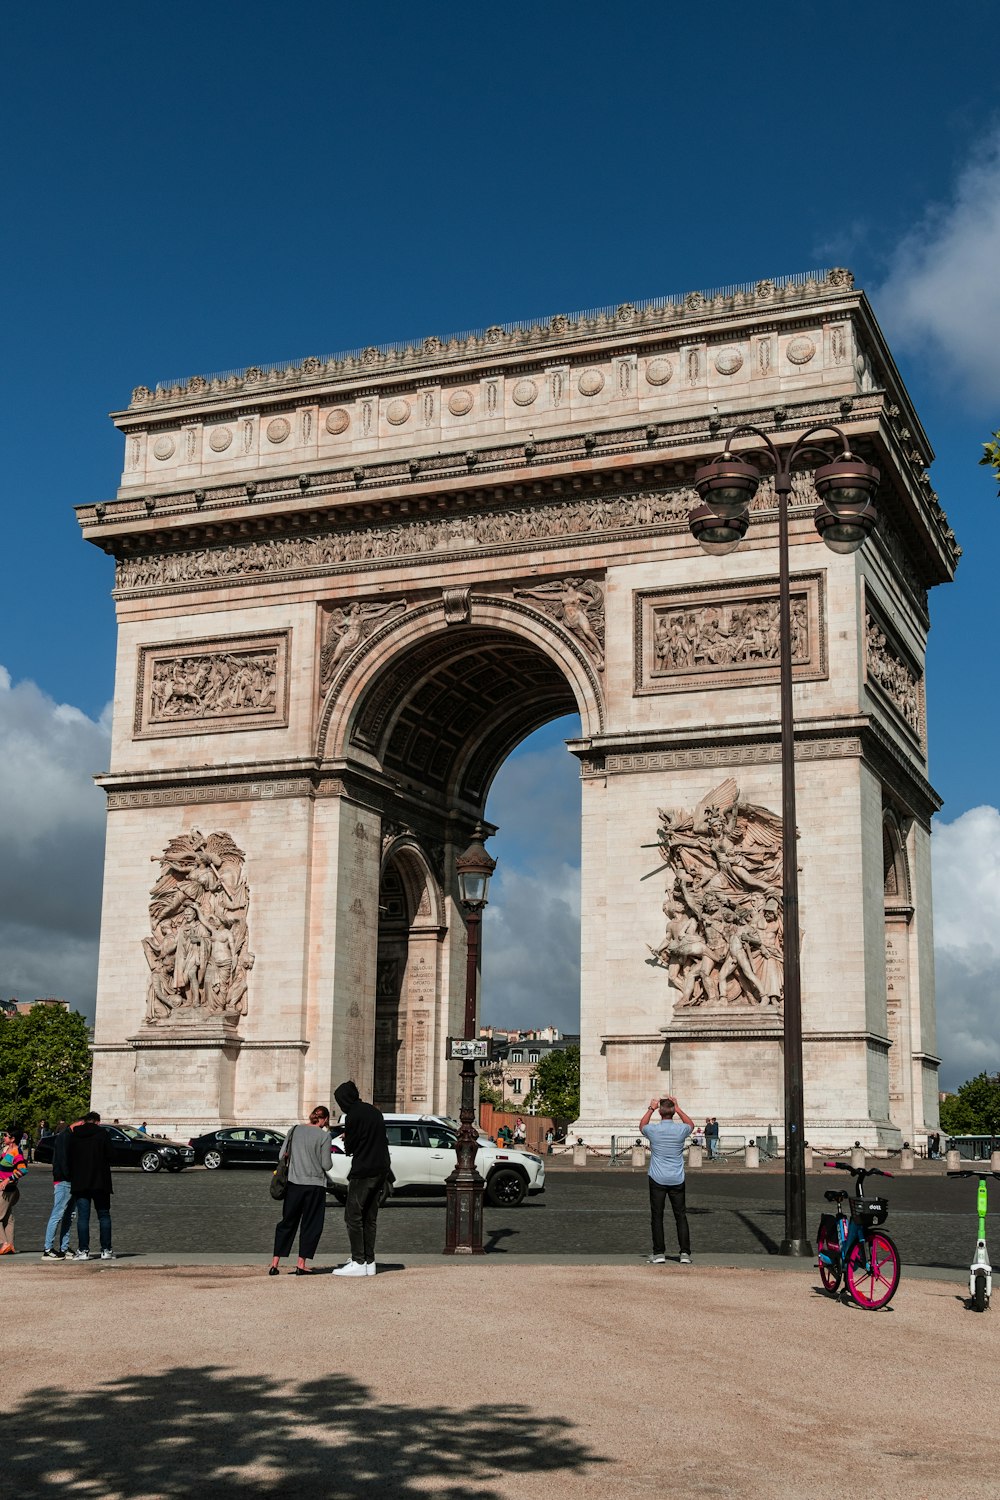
407,979
898,916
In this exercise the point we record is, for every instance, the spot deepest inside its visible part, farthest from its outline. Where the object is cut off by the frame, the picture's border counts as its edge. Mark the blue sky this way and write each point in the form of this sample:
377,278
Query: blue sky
196,187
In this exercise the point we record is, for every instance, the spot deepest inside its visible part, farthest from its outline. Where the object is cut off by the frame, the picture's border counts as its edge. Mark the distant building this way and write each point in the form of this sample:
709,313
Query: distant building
14,1007
516,1055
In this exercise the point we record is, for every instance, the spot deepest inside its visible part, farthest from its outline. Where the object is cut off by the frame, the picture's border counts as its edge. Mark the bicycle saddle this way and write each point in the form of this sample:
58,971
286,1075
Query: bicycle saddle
833,1197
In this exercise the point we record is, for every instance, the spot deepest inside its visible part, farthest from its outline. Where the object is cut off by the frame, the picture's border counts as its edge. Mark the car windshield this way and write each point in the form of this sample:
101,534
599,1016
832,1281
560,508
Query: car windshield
130,1131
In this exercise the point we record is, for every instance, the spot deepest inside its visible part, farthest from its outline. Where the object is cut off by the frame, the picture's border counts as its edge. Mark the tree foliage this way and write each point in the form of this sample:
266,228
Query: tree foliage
489,1094
991,455
975,1109
44,1067
557,1084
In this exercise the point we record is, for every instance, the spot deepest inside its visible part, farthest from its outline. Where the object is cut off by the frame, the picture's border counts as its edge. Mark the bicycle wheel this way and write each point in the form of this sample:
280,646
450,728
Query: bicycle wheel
871,1281
829,1274
979,1292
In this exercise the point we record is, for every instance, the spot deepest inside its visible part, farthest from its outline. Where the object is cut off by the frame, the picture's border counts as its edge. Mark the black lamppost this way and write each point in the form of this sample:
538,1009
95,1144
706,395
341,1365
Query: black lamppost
464,1212
845,516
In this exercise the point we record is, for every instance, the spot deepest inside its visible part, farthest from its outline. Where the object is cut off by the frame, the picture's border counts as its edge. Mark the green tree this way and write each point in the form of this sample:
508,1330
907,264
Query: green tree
975,1109
556,1088
991,455
44,1067
488,1094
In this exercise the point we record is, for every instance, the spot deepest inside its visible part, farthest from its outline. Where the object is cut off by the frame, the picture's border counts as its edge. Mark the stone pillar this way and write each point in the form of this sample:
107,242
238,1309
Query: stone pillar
857,1158
751,1157
952,1161
579,1154
694,1156
906,1159
638,1156
995,1161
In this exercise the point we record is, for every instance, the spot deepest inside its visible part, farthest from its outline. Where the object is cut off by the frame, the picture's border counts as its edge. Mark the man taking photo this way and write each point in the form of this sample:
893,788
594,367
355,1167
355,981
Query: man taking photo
667,1138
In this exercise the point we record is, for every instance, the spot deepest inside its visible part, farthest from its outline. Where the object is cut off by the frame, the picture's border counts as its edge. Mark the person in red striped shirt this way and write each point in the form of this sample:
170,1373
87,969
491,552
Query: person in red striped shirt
12,1166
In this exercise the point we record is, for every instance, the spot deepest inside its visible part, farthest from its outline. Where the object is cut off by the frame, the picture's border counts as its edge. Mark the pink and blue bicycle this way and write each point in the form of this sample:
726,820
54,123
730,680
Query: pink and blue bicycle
853,1248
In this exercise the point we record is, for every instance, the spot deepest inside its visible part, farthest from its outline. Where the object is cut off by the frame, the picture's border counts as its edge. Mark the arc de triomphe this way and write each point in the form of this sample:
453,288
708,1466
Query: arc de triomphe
346,590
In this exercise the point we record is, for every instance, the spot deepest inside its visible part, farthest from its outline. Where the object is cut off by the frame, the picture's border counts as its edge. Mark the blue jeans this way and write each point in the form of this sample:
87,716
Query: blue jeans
60,1218
102,1202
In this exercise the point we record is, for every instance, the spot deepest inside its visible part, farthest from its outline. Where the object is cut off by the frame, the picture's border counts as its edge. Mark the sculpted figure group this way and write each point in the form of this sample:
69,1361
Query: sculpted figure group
198,953
206,686
724,935
725,635
893,675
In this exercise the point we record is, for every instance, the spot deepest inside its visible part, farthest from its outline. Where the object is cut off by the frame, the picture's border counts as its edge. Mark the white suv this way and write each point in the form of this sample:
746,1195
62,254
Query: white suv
422,1152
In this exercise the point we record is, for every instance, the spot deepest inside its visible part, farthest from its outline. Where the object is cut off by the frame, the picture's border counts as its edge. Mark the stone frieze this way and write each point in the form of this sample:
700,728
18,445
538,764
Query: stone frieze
209,686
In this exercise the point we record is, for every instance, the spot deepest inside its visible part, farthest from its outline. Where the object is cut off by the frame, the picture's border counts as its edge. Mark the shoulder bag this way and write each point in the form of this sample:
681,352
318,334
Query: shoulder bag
279,1177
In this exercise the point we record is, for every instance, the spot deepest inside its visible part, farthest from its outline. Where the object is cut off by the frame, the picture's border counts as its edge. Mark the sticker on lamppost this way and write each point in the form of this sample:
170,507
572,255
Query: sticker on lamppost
471,1049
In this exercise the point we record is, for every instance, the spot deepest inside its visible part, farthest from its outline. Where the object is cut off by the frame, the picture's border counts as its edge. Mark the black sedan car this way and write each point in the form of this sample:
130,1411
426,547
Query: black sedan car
239,1146
133,1148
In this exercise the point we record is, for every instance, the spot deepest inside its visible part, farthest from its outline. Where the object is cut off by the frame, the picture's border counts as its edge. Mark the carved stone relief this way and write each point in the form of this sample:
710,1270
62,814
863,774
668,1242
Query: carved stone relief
198,949
577,604
210,686
726,635
901,683
723,947
347,627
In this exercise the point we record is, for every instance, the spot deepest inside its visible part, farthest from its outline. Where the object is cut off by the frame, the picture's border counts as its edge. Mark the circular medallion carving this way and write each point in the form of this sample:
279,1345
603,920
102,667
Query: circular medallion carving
277,429
659,371
338,420
460,402
524,393
219,439
163,448
801,350
590,382
728,360
397,412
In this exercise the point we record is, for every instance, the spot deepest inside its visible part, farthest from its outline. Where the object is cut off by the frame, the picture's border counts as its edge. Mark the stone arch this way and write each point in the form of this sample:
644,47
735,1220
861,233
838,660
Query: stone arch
423,891
440,702
895,862
409,1012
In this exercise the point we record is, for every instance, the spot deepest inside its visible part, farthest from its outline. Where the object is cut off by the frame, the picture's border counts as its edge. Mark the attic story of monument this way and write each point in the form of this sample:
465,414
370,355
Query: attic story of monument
347,589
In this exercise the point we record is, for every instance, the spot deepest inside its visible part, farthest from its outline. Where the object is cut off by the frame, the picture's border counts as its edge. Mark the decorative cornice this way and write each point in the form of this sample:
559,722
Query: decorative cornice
560,331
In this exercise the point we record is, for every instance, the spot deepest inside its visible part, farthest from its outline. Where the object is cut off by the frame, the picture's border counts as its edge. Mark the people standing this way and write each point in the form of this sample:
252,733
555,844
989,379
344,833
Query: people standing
667,1138
307,1150
12,1167
712,1138
61,1217
90,1182
367,1144
520,1133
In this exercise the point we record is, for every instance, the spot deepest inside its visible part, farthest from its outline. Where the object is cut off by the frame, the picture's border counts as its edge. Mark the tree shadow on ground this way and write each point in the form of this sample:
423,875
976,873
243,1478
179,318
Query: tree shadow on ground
219,1435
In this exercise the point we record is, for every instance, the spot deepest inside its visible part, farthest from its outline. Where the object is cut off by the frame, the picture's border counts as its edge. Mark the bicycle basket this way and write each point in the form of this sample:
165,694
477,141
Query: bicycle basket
869,1211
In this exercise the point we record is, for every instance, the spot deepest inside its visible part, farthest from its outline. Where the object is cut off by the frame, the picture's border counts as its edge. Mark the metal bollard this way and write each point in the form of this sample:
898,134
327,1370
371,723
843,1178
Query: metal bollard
857,1158
906,1159
694,1156
751,1156
638,1156
952,1161
579,1154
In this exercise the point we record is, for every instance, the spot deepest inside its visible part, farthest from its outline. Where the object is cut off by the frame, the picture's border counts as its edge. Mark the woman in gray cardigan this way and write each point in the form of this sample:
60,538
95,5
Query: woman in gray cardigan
307,1148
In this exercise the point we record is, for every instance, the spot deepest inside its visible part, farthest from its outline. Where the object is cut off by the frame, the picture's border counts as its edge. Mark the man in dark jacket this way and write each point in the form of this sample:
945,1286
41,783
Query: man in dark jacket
90,1181
61,1217
367,1144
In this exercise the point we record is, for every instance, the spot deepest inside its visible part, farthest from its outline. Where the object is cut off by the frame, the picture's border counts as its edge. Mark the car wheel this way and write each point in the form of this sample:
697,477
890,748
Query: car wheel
213,1159
150,1162
506,1188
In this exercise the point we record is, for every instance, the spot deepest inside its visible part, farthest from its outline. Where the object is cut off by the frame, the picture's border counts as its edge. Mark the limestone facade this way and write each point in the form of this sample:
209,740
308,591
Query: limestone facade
348,588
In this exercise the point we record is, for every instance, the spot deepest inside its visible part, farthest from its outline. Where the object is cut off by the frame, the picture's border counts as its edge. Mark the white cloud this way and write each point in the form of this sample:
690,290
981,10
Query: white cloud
966,857
51,845
942,291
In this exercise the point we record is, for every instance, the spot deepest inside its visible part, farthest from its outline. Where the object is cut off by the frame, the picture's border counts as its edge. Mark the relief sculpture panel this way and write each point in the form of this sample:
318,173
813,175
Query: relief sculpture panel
198,948
723,947
721,635
901,683
210,686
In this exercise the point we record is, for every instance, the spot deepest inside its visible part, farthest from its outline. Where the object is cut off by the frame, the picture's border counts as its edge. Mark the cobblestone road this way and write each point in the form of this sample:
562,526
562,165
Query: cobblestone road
597,1211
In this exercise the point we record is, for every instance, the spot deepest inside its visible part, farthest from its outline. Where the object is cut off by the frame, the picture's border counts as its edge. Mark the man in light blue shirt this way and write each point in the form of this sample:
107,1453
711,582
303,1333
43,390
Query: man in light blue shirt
667,1138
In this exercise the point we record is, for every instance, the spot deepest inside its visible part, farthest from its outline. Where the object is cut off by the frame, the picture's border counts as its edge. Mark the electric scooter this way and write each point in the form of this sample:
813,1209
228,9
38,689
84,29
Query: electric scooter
980,1272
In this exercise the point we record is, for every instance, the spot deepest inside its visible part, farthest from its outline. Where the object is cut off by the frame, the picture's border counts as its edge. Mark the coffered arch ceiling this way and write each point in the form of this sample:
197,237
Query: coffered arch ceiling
449,710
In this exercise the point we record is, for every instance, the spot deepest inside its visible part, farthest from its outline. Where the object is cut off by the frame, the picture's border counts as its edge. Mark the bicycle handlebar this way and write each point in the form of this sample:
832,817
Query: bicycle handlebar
860,1172
970,1173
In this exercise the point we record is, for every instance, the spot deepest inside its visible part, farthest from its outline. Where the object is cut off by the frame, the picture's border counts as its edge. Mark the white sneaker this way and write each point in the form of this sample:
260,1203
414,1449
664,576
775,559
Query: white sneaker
353,1268
107,1255
685,1260
657,1260
370,1268
82,1255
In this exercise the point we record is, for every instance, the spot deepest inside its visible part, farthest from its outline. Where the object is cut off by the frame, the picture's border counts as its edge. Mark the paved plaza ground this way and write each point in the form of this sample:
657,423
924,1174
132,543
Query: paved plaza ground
489,1381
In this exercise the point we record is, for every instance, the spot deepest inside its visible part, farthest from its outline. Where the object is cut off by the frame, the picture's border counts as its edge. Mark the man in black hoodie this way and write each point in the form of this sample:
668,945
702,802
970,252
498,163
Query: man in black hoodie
367,1144
90,1176
57,1229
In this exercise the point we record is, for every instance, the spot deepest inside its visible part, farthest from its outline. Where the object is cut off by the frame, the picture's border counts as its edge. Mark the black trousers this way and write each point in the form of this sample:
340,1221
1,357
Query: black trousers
658,1195
361,1215
305,1206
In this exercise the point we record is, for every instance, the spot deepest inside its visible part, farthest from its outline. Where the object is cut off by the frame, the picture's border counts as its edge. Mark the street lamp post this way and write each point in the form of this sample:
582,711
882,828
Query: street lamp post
464,1212
845,516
